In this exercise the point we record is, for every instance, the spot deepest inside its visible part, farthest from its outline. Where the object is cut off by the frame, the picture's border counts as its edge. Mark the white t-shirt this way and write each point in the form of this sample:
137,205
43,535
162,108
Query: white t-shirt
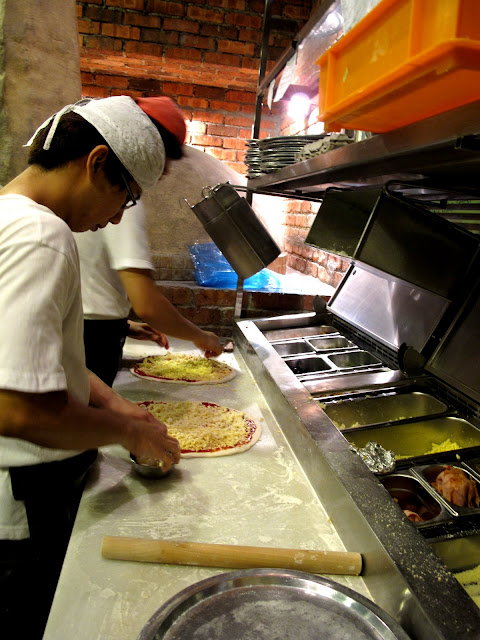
41,329
103,253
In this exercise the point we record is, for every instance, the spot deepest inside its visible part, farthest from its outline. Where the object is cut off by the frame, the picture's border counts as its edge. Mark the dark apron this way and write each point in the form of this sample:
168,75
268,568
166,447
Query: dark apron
29,569
104,340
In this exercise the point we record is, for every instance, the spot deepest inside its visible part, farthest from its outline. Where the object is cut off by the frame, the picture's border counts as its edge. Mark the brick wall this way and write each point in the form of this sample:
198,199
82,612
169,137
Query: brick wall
204,54
213,309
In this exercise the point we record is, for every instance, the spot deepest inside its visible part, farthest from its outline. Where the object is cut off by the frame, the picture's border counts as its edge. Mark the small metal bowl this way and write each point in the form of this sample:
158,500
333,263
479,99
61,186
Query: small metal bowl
149,471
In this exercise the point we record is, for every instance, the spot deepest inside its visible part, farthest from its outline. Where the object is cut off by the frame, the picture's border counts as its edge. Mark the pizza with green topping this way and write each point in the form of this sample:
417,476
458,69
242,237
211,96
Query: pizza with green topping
183,368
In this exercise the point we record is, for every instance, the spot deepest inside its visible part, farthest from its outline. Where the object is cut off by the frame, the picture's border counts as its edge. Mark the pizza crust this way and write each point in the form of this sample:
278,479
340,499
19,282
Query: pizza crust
242,428
136,371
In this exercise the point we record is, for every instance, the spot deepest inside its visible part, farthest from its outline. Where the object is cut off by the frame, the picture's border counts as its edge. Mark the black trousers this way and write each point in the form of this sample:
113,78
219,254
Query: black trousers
104,340
30,568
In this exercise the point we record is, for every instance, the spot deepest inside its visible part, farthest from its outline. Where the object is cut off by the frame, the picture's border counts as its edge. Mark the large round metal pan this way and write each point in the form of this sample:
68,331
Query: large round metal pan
270,604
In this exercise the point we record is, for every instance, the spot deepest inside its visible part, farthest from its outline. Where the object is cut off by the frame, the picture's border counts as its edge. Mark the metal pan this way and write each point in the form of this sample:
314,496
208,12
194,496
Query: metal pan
429,473
268,604
410,494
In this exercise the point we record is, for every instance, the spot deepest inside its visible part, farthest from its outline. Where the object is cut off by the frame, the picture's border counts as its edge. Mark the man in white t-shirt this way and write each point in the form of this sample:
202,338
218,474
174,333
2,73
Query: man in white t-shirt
117,274
86,164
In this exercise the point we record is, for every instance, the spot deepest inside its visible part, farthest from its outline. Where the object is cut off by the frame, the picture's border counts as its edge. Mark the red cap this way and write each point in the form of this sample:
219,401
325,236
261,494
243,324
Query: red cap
164,111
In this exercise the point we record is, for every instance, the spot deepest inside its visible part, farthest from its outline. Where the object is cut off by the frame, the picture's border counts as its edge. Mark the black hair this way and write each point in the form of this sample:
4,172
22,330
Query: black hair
173,149
74,138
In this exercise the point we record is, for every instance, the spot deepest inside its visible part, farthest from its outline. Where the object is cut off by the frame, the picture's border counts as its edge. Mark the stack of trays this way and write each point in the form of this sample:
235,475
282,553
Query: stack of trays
270,154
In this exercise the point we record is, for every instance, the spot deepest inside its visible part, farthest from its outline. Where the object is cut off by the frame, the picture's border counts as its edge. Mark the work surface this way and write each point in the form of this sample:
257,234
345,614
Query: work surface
260,497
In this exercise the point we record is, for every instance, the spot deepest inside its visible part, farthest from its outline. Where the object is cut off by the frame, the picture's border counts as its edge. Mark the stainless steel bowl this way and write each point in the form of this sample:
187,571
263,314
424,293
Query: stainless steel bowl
149,471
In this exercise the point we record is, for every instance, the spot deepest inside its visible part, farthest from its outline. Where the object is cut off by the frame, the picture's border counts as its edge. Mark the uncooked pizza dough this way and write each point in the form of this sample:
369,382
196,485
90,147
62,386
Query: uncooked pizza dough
183,368
205,429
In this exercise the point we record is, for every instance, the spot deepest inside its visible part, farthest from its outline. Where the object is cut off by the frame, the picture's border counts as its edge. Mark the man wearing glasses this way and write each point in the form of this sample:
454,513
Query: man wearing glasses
86,164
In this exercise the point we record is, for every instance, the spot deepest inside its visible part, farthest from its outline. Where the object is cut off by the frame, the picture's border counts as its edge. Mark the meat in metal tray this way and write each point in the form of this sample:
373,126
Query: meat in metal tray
270,604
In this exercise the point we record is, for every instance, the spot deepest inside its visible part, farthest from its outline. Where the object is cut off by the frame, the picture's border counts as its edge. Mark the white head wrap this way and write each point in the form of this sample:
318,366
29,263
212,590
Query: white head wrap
127,129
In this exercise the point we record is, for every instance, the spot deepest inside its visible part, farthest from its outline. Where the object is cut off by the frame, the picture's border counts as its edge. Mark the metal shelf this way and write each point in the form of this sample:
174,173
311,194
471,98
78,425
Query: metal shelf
441,151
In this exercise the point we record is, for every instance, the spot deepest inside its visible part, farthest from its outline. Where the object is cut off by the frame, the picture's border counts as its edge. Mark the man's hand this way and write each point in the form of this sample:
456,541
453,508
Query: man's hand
143,331
209,343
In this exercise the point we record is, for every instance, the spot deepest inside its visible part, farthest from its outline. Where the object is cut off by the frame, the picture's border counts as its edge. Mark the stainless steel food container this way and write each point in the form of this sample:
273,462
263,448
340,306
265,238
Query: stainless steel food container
409,493
415,439
429,473
380,408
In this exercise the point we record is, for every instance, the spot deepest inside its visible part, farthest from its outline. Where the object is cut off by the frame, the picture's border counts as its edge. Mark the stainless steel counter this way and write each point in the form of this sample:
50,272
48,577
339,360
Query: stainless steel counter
261,497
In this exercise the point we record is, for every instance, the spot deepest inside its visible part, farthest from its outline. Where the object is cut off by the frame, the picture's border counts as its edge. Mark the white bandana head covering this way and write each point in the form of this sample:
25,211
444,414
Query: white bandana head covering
127,129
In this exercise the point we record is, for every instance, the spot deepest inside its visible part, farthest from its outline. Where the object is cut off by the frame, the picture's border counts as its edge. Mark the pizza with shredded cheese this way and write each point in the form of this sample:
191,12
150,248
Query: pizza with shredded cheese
183,368
205,429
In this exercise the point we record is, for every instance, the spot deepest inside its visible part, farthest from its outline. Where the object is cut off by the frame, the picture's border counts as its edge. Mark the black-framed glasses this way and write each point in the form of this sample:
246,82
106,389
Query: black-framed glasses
131,202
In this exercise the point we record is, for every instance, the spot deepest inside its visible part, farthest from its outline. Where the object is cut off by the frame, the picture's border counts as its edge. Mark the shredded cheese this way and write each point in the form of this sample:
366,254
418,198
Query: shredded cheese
203,426
183,366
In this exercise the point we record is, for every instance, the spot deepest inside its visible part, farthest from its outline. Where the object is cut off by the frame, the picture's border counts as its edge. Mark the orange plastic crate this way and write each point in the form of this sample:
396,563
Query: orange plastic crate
405,61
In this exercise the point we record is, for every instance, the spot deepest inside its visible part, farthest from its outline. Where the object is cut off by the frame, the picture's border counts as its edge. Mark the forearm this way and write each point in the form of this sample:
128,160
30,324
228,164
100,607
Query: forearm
56,420
152,307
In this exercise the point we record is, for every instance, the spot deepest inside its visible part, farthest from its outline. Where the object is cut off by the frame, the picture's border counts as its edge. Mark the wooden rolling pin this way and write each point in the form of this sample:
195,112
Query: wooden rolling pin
231,556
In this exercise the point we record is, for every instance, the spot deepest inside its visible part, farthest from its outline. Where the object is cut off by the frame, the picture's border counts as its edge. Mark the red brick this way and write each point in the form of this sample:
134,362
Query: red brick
94,92
208,116
210,92
79,10
87,78
257,6
183,54
205,297
125,92
147,85
297,13
205,15
334,280
234,143
196,128
91,1
178,88
101,43
159,36
198,42
240,48
178,295
247,97
228,316
219,31
250,63
144,48
207,141
218,105
250,35
239,121
137,5
184,26
86,26
226,298
244,20
139,20
104,15
222,59
119,82
219,130
165,7
194,103
235,5
120,31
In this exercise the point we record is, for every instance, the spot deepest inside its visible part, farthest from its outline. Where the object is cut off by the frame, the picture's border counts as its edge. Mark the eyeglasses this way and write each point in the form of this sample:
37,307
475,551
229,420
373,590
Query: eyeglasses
131,202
